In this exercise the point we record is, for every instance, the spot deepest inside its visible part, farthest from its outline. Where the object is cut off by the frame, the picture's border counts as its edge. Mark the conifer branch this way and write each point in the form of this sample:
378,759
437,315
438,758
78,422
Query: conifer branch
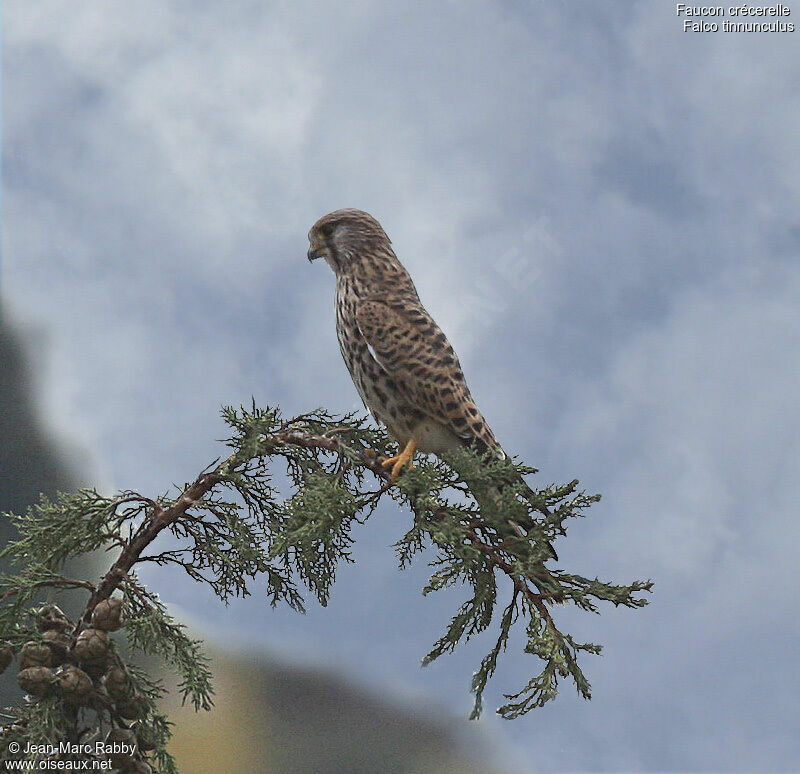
232,526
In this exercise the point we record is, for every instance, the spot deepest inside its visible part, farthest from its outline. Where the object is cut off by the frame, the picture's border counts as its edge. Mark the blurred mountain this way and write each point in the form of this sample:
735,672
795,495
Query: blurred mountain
29,462
272,717
269,717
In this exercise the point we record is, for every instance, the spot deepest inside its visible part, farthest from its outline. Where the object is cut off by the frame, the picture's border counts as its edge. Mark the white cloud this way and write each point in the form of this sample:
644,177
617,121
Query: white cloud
701,410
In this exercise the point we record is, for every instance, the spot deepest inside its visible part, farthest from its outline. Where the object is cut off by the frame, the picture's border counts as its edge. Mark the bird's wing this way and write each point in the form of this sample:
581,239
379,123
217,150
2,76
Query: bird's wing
412,349
415,353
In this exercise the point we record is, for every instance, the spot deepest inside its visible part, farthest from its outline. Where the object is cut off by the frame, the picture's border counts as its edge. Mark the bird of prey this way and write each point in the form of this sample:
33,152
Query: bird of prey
402,364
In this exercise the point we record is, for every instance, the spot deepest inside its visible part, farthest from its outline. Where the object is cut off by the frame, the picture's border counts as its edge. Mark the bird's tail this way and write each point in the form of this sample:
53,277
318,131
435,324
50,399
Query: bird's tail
491,496
528,494
494,498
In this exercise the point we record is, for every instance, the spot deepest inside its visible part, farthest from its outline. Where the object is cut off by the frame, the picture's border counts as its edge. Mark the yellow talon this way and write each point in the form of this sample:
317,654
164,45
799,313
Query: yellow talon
398,462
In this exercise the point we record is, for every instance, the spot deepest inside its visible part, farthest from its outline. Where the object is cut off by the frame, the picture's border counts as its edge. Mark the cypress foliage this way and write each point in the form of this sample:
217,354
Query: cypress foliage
234,528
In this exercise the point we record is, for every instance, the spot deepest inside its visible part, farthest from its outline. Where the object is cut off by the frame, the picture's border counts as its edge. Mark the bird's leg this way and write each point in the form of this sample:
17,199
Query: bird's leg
400,460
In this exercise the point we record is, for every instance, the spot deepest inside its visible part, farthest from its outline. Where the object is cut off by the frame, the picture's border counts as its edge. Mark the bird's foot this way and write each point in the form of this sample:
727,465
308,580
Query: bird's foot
399,461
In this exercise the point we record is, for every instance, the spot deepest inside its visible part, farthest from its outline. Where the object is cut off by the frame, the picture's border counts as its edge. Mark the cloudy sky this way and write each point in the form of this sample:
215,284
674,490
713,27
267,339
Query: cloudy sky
599,209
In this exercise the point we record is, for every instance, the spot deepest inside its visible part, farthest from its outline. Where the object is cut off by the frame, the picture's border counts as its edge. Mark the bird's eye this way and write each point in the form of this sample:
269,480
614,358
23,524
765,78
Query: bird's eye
327,230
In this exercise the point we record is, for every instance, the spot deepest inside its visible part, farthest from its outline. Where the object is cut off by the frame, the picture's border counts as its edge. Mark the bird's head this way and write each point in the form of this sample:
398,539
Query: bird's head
342,237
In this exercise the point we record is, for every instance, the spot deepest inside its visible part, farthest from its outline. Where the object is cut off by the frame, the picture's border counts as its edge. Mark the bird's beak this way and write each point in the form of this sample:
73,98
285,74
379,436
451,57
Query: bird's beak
315,250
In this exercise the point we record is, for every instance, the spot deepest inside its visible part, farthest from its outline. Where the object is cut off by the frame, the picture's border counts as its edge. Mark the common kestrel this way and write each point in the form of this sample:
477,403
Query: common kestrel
402,364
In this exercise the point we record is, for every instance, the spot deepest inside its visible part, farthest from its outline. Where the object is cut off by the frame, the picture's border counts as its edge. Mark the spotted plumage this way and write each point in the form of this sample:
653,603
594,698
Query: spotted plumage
402,364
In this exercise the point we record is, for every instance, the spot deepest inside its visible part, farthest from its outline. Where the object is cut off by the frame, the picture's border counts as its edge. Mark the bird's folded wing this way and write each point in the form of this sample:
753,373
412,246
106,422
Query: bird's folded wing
415,353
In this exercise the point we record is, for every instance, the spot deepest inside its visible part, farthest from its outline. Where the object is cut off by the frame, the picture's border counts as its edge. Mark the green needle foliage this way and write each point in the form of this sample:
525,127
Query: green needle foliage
234,527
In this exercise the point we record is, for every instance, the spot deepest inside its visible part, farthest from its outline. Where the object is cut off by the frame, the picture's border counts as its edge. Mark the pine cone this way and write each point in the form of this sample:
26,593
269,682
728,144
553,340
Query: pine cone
107,614
36,680
146,738
95,669
59,643
92,646
130,709
34,654
121,760
76,685
6,657
52,617
125,735
117,683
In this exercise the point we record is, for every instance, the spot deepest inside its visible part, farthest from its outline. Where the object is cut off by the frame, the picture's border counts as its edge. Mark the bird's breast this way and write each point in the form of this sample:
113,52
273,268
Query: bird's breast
377,388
